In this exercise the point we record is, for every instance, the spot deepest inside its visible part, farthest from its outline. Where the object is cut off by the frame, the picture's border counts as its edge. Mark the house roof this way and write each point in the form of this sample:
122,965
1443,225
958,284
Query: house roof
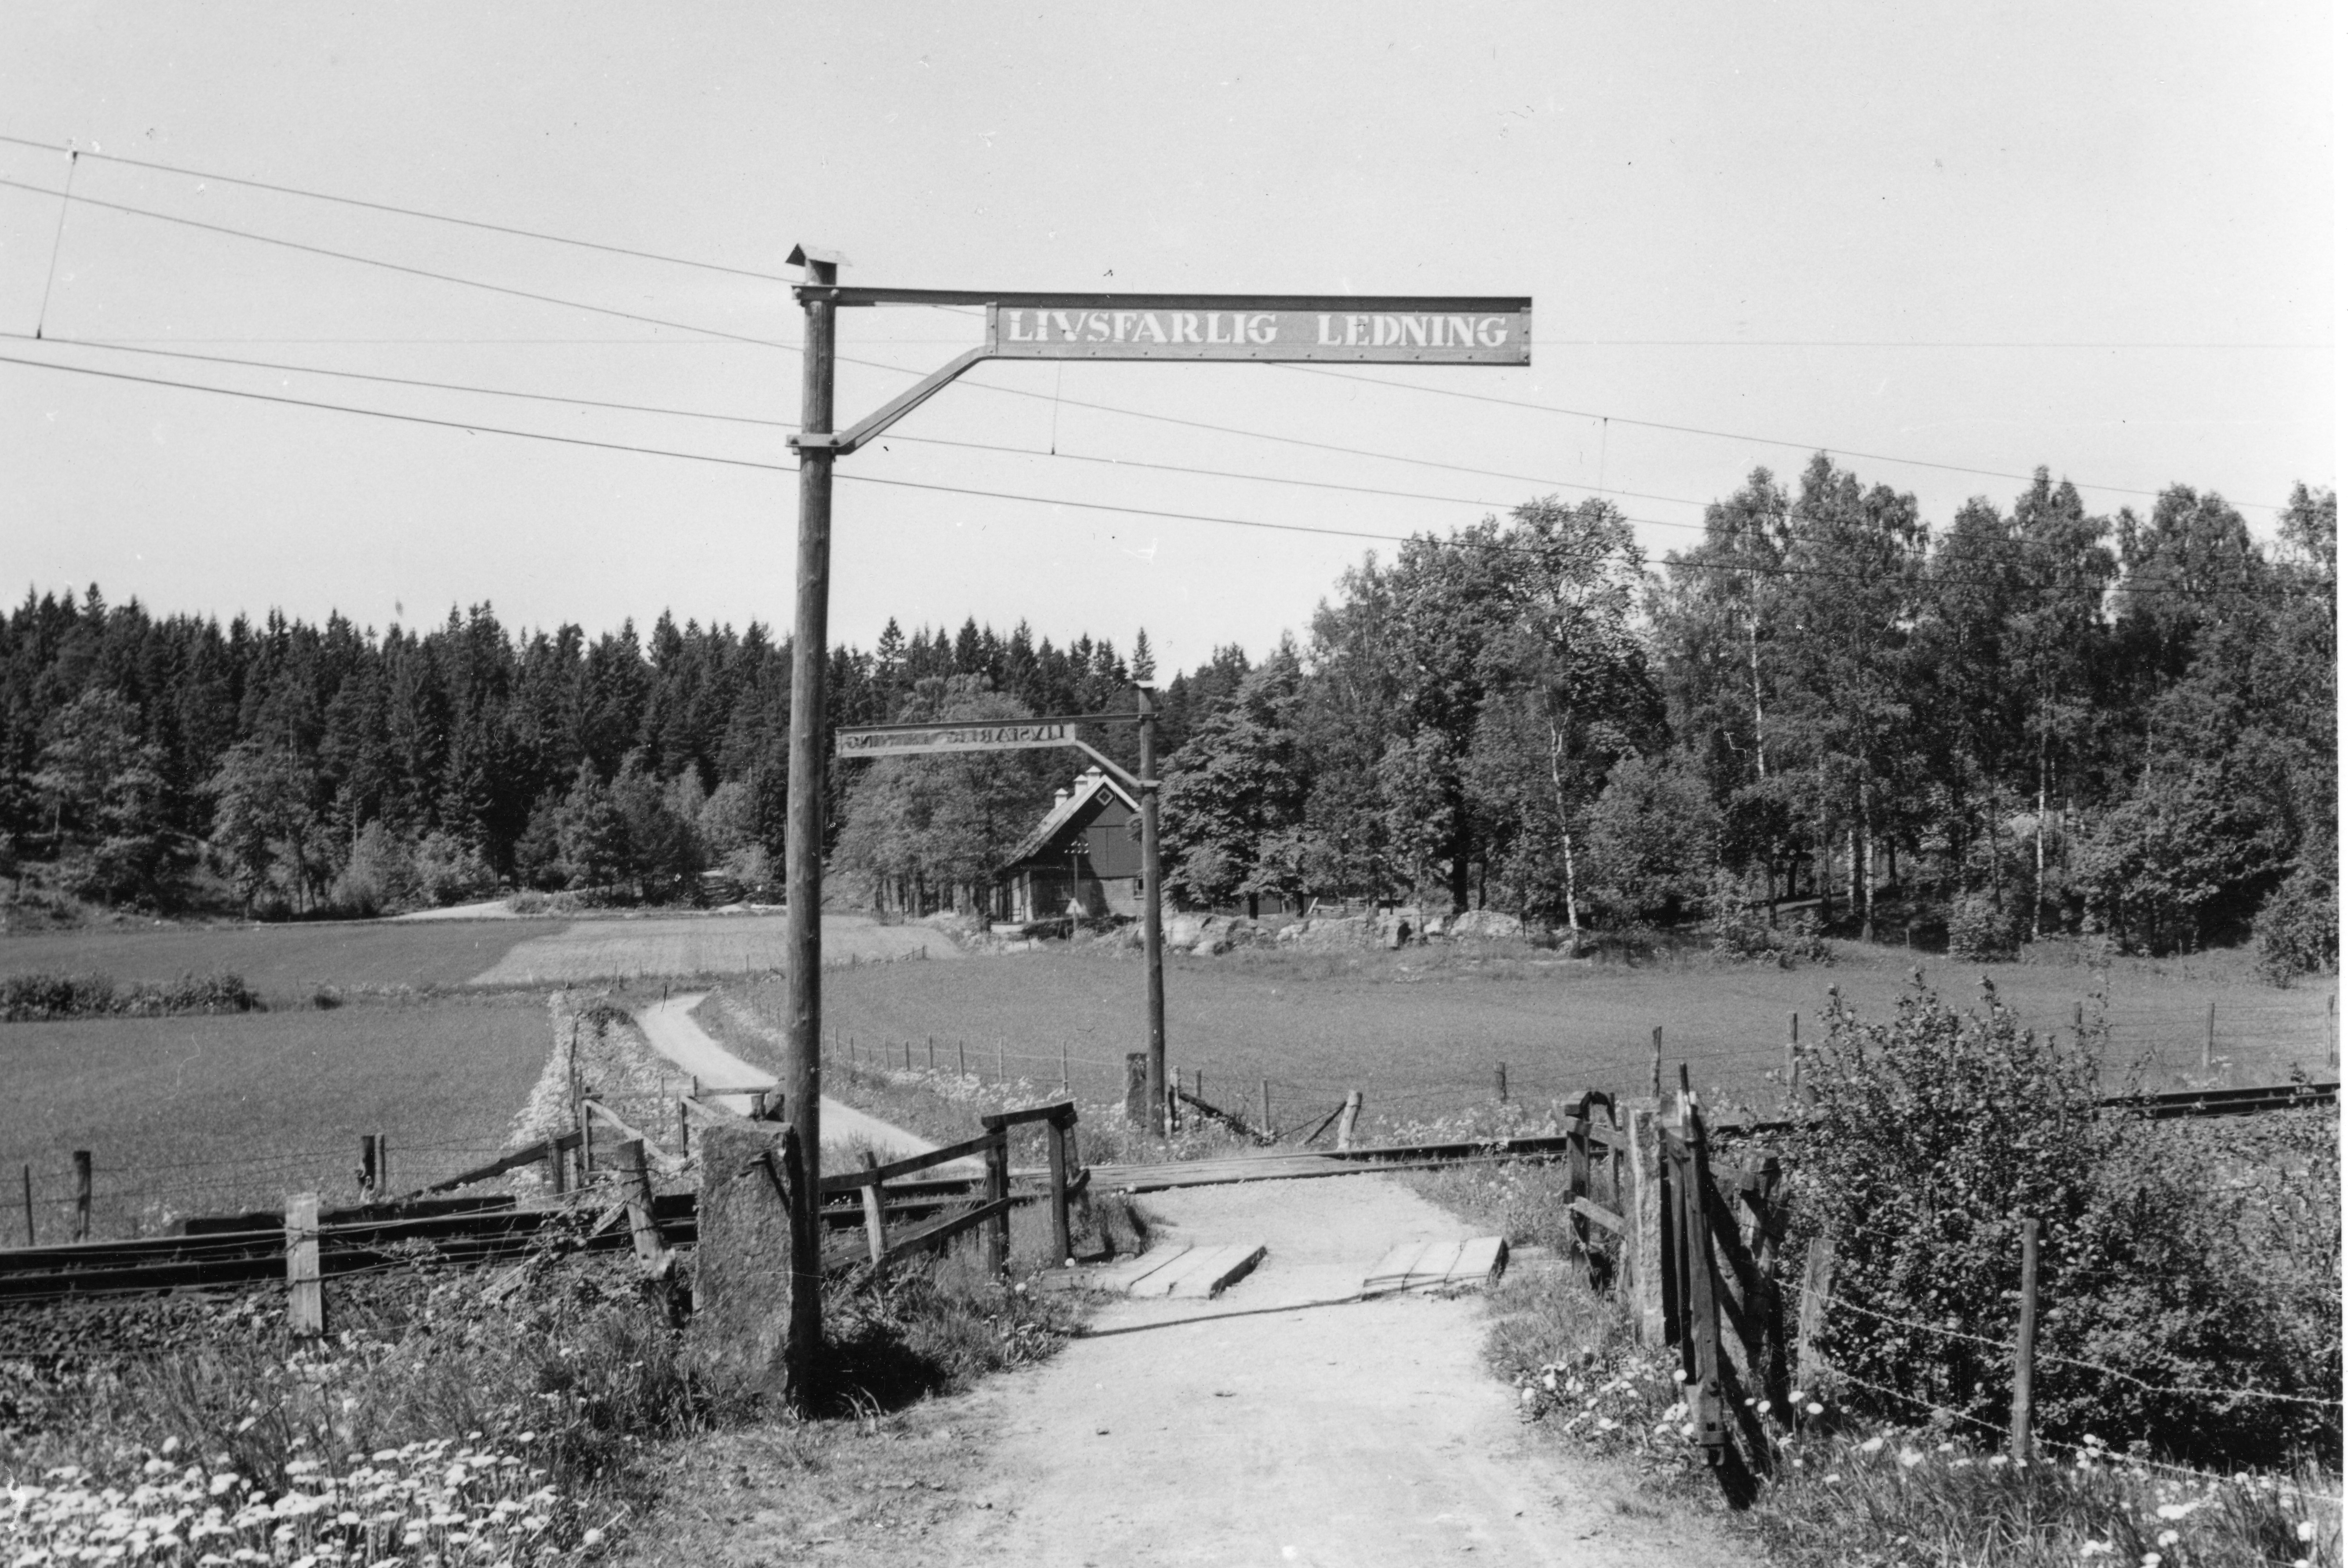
1091,785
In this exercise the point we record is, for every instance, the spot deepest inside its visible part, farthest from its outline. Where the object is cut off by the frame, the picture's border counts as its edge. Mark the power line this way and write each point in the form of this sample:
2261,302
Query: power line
397,266
403,211
1717,435
1376,381
470,427
404,381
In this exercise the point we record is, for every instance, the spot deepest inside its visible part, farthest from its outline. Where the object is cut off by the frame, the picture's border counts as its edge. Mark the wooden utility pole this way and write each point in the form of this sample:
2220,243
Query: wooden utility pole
803,828
1153,937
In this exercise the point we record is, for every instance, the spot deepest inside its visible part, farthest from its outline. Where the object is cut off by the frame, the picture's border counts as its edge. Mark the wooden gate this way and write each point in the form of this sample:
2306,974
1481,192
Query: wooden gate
1718,1247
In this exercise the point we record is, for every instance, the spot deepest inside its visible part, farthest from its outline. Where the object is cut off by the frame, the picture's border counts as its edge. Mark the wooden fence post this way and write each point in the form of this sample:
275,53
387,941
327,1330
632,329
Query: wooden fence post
998,1187
2331,1028
383,1161
554,1162
1577,1184
1818,1282
1064,1066
1136,1088
876,1225
684,1130
1352,1114
1793,1056
2210,1037
305,1295
1659,1064
2025,1339
1265,1089
367,1164
1642,1220
30,1238
81,1195
1002,1072
642,1228
1056,1133
1500,1082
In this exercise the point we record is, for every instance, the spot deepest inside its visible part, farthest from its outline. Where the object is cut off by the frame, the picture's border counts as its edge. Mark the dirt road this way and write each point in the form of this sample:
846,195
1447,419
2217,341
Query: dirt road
670,1029
1277,1427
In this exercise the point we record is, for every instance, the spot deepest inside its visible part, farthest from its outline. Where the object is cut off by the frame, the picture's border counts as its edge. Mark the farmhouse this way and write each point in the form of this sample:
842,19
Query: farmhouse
1083,857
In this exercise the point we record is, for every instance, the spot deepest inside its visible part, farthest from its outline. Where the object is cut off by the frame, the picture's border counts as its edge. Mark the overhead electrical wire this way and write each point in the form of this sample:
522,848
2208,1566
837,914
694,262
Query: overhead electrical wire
1714,435
396,266
475,427
1371,380
403,211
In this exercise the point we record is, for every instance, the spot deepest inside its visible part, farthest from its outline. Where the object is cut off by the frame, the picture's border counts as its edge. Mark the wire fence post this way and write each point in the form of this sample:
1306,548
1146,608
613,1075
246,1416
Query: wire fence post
2026,1342
81,1195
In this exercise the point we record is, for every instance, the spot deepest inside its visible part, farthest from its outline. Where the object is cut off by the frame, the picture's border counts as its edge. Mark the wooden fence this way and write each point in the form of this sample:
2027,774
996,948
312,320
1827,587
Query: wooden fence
304,1246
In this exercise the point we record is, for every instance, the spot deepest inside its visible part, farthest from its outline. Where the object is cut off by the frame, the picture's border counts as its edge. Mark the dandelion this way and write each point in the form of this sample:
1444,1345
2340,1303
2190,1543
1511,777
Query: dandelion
1815,1409
1909,1458
591,1540
1872,1446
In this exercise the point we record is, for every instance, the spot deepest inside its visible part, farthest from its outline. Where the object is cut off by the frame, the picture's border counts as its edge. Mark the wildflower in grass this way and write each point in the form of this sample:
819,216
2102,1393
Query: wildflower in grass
1909,1458
2307,1529
1872,1446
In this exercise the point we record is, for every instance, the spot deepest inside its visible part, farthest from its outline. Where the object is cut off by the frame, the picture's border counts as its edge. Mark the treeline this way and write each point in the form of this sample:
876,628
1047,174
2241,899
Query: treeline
2029,721
293,768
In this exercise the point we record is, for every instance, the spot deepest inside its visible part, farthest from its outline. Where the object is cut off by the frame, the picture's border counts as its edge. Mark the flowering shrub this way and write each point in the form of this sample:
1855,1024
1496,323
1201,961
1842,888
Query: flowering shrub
439,1501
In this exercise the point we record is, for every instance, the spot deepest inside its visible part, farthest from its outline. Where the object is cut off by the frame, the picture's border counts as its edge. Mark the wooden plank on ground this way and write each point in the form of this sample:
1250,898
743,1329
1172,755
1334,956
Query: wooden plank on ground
1215,1271
1387,1274
1122,1277
1434,1265
1480,1262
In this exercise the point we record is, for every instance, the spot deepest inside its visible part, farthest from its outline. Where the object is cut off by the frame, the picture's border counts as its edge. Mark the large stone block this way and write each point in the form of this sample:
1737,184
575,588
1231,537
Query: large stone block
742,1280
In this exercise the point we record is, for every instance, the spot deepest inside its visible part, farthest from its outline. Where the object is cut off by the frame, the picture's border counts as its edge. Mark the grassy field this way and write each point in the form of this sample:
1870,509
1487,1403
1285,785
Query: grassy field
633,949
210,1115
284,963
1420,1032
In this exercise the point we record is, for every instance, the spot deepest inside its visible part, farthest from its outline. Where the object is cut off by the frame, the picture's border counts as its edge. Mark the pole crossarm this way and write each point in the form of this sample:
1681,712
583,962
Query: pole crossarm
845,295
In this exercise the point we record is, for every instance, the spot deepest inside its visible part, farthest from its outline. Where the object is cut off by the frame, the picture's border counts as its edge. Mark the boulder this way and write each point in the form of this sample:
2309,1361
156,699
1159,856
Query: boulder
1182,930
1486,925
1401,927
1331,934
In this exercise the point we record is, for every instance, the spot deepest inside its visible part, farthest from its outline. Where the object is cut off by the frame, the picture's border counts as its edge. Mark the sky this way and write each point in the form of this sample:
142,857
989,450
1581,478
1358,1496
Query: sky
1946,243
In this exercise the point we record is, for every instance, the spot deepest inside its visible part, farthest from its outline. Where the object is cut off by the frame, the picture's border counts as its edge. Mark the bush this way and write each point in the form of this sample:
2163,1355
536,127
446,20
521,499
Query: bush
1980,927
2299,928
2187,1272
40,998
1740,930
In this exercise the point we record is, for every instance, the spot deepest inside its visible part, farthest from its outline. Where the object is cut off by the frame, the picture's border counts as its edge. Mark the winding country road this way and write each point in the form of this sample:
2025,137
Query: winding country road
672,1030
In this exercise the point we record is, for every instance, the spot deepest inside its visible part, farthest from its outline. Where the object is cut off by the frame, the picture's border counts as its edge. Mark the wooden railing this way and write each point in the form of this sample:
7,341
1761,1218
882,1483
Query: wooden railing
994,1208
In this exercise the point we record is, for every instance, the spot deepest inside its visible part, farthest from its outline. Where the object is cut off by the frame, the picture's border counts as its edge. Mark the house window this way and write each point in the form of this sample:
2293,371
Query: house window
1137,887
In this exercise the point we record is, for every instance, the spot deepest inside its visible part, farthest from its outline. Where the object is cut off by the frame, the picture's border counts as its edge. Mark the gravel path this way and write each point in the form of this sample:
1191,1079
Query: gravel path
672,1030
1273,1427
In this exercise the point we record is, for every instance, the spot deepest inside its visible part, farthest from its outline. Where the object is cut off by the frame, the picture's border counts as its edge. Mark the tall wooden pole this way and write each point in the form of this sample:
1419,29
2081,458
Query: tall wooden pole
1153,943
803,855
